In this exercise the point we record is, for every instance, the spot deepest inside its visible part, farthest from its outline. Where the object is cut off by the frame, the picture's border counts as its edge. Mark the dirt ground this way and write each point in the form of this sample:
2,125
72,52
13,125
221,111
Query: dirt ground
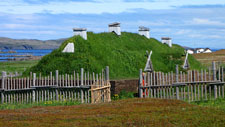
130,112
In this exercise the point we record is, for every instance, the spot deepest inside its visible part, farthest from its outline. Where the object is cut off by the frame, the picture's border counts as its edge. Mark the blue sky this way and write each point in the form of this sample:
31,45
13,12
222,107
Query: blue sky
194,23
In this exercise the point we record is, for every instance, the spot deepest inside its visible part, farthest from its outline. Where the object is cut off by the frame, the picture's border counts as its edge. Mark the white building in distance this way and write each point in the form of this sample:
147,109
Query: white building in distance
199,50
207,50
115,27
81,32
144,31
167,40
190,51
69,48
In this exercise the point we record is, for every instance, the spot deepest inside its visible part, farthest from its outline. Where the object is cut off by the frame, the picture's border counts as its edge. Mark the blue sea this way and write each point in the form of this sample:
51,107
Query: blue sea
35,52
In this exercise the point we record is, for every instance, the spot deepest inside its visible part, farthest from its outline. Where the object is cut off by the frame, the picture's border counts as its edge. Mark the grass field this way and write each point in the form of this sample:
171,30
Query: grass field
218,103
129,112
19,66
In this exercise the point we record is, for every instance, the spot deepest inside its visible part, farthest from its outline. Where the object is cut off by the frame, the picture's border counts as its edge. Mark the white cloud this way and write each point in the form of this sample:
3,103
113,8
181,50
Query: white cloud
200,21
182,32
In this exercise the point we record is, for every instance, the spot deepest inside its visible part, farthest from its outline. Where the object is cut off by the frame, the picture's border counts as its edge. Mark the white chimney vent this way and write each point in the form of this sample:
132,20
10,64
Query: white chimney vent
167,40
144,31
115,27
81,32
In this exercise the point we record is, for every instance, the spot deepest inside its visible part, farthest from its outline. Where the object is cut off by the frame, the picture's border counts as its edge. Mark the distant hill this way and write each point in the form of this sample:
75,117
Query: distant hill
222,52
124,54
8,43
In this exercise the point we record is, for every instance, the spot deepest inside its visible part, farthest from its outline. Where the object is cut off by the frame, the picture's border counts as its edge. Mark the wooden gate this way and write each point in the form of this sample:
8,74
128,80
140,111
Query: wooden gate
100,90
100,93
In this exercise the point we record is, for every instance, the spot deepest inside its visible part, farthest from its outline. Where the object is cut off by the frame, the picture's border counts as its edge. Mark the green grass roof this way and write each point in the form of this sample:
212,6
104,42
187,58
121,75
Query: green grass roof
124,54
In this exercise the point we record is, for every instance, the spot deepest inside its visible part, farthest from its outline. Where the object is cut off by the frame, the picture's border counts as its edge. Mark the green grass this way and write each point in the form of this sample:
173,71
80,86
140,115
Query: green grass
123,95
218,103
19,66
124,54
30,105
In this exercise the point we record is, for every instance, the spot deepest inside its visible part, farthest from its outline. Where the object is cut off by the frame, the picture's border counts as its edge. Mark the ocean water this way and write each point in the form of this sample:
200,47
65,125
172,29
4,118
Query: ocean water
35,52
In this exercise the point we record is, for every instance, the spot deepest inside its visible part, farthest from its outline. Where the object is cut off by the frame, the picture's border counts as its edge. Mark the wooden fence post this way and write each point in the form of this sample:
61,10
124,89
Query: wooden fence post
57,84
140,84
3,86
177,80
177,73
82,83
214,78
107,73
33,91
214,70
108,96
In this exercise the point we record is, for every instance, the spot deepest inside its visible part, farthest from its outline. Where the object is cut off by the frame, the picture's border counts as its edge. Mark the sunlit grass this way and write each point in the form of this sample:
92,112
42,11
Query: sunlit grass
16,66
46,103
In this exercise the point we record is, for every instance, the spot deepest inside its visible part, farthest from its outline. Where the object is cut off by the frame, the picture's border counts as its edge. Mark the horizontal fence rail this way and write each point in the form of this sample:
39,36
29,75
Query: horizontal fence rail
68,87
190,86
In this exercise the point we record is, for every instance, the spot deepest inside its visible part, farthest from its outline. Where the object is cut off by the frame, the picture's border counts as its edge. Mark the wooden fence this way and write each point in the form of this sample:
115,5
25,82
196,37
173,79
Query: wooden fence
192,85
83,87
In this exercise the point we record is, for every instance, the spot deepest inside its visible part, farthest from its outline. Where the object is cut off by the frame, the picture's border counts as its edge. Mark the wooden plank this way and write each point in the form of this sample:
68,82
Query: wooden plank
177,73
57,84
164,92
148,84
82,83
214,70
215,91
222,74
78,82
154,83
198,91
219,73
34,80
74,78
160,83
209,74
223,91
210,93
151,80
177,93
66,80
140,84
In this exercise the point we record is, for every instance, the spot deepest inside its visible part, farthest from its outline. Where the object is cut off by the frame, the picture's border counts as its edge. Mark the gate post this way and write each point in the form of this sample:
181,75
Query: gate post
3,86
108,83
140,84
